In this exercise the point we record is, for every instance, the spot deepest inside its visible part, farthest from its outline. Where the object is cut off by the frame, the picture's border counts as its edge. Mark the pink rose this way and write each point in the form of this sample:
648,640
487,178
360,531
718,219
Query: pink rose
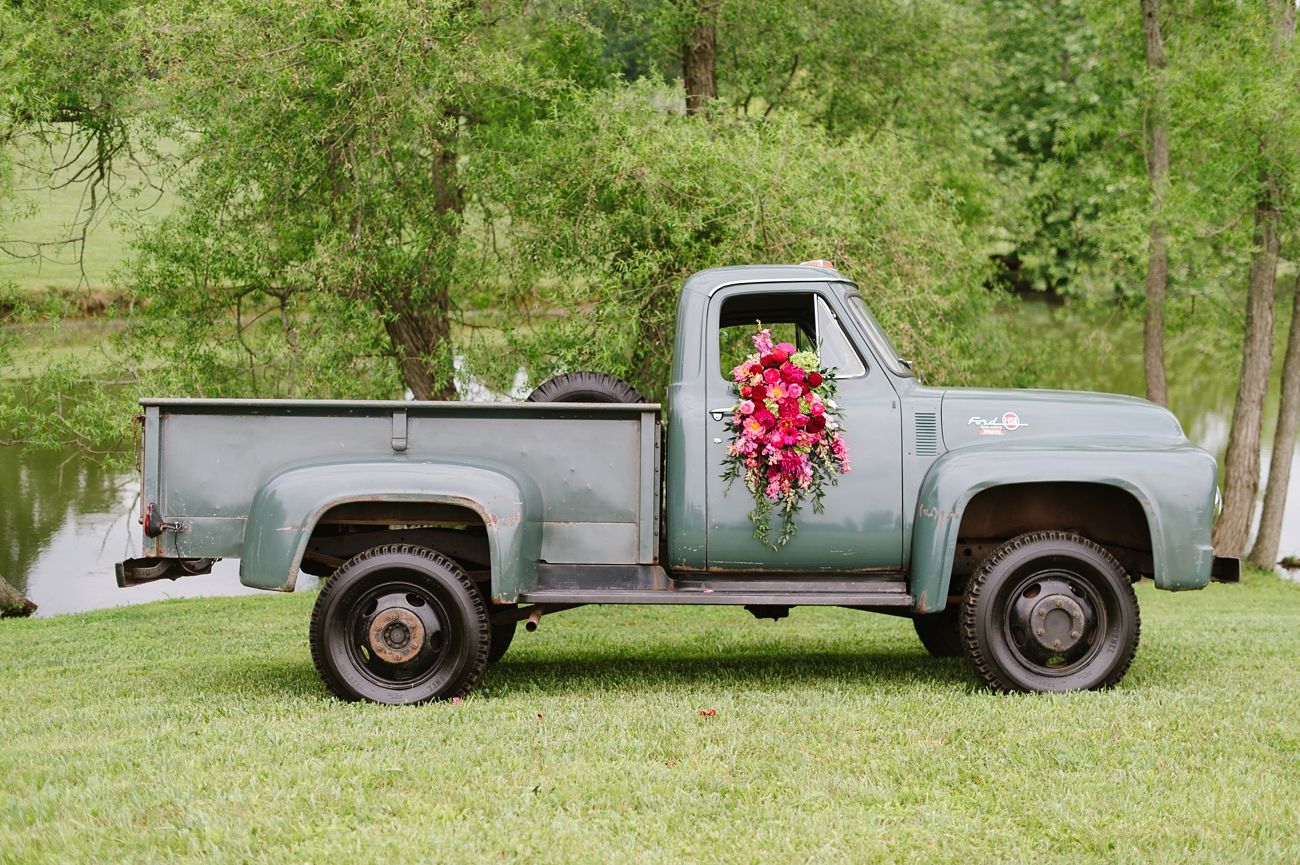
771,376
747,407
816,408
794,391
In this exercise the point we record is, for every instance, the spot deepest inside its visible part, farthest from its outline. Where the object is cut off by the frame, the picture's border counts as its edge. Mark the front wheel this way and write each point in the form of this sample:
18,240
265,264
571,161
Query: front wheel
399,624
1049,611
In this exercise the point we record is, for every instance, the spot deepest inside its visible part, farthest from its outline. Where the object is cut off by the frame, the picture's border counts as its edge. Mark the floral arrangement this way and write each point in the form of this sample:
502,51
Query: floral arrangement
786,441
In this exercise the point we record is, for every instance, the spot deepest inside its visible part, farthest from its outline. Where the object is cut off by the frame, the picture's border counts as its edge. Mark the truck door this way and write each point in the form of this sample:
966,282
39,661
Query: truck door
861,526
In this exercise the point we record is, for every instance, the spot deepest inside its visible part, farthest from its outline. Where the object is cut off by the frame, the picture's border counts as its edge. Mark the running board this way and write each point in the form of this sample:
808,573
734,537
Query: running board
806,598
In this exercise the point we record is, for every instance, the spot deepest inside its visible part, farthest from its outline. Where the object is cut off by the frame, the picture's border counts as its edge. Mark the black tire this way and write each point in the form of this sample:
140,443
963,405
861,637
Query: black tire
1050,612
399,624
939,633
502,637
585,387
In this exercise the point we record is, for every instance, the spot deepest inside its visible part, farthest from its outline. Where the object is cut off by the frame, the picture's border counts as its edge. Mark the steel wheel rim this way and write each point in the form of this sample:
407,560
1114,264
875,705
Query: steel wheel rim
1029,622
368,648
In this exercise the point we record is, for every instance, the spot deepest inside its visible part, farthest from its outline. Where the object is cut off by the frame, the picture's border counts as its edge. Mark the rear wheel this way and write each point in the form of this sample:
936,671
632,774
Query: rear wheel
939,633
399,624
1049,611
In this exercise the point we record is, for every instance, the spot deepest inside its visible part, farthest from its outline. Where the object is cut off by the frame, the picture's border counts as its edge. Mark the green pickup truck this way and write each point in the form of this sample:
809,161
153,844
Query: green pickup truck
1009,525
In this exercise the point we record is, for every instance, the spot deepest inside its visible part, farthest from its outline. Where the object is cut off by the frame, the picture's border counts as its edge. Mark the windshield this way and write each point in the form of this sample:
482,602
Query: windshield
876,333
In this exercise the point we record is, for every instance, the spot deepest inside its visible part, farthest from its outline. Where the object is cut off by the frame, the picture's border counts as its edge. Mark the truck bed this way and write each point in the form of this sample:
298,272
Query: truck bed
594,468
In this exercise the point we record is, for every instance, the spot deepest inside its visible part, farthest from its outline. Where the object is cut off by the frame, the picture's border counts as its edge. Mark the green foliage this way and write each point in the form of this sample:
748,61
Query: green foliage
602,212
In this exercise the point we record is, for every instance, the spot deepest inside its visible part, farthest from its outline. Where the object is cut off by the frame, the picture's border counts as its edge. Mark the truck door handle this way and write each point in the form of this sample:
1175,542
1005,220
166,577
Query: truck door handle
717,413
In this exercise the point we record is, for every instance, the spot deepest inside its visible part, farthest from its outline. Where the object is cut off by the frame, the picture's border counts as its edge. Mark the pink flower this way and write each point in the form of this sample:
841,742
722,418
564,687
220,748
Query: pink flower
763,341
816,408
740,373
753,428
788,407
747,407
771,376
786,347
777,391
794,390
764,417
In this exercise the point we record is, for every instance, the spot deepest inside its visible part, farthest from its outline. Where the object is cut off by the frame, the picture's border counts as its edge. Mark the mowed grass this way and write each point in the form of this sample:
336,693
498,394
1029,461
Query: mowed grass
197,730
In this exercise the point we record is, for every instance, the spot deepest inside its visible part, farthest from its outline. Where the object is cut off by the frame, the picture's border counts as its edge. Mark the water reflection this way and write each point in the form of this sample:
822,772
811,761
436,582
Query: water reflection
64,522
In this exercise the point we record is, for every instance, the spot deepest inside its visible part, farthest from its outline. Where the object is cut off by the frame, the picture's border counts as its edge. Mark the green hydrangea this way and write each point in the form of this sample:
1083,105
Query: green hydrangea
805,360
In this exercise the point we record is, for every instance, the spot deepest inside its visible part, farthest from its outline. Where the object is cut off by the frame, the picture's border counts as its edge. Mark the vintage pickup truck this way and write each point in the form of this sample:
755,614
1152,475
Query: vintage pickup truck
1009,525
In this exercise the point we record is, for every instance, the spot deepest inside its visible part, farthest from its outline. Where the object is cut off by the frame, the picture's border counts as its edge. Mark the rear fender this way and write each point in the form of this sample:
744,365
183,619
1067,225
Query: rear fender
1175,487
287,507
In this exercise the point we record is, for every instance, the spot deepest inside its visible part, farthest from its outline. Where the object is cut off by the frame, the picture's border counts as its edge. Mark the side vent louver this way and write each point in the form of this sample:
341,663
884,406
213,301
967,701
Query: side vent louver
927,434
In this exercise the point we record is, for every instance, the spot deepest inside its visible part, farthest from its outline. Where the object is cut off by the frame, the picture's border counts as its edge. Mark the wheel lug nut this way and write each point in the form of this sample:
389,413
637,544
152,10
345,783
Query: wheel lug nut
1039,632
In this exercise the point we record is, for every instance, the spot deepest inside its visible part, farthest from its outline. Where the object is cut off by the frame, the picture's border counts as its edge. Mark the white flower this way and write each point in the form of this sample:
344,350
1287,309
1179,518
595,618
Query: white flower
832,403
832,425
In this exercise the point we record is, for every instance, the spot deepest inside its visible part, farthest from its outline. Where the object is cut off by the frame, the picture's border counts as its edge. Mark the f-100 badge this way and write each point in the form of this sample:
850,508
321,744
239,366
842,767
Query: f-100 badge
997,426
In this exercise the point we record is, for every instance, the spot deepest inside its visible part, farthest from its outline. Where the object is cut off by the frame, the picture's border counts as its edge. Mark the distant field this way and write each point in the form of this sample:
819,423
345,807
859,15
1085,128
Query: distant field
41,215
197,731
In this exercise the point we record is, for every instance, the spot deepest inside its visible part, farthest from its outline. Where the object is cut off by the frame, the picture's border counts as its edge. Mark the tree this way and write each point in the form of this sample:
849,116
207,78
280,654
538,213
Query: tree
1266,110
603,211
1153,337
1263,553
320,155
700,53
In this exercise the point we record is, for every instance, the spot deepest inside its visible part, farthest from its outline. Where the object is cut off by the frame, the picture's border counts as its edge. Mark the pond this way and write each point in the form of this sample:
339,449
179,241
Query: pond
65,520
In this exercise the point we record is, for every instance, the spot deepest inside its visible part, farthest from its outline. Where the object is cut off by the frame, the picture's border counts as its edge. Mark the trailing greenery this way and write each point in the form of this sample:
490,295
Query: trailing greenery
198,731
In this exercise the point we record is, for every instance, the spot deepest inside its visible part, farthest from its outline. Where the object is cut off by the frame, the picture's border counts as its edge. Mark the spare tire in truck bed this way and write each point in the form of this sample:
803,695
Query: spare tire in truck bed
585,387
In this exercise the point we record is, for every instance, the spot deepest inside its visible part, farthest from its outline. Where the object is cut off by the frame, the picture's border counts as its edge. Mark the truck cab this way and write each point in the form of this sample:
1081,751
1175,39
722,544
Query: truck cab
1010,525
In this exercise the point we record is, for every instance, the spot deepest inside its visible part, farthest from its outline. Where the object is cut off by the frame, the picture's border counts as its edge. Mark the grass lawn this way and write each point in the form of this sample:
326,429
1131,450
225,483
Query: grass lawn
197,730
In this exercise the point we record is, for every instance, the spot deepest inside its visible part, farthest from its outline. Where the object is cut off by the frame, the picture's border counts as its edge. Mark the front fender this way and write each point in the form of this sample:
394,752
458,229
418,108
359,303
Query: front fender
1175,486
287,507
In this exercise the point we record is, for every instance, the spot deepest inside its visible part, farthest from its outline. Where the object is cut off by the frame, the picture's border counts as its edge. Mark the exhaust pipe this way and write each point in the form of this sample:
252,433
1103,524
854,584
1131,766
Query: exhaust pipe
535,617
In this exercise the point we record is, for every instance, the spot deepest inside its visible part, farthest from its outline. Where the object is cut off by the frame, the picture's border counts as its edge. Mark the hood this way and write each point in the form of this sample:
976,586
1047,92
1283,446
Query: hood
976,416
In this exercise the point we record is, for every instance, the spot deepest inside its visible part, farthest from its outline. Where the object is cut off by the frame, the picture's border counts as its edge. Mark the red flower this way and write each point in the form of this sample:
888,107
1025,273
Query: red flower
814,379
755,369
746,391
771,376
765,417
816,423
779,355
787,374
789,407
758,392
769,360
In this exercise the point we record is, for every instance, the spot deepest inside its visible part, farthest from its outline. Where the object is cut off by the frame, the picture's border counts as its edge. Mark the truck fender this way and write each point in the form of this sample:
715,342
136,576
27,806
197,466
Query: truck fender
1180,548
287,507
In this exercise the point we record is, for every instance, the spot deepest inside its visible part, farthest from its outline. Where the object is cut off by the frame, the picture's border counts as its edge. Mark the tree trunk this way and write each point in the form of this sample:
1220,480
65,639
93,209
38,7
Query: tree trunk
419,331
1264,552
700,58
418,324
1153,335
1241,464
12,602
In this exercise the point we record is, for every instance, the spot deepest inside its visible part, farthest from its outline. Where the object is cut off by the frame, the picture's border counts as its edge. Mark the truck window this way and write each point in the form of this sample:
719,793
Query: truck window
789,316
834,349
876,333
